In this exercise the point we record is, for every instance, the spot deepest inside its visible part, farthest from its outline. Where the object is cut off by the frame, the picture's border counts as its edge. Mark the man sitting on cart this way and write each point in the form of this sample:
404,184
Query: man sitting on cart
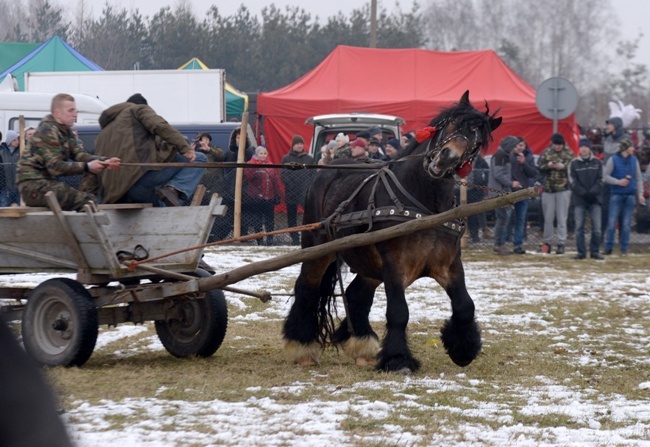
53,152
133,132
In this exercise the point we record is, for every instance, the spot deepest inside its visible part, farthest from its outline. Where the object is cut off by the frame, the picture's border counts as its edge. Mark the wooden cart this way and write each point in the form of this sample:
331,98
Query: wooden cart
60,317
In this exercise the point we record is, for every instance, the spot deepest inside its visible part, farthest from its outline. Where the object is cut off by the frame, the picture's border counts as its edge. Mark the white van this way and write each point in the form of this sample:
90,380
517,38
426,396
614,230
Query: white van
34,106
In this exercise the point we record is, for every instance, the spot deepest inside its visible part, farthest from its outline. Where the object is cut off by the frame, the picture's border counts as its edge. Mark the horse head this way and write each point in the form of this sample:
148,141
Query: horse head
460,132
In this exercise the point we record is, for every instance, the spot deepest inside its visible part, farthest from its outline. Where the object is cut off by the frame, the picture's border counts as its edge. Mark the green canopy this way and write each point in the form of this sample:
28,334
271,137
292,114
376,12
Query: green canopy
53,55
236,101
12,52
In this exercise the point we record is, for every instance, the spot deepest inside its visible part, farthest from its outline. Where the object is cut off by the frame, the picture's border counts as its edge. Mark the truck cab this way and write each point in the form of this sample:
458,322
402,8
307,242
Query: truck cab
326,127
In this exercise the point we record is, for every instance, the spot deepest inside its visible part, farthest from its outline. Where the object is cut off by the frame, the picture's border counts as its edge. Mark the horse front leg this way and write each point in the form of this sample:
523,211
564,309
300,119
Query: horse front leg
308,324
395,354
461,334
359,341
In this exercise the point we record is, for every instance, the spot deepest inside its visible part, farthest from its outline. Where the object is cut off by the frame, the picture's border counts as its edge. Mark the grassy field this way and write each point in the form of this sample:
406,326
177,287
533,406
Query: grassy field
565,361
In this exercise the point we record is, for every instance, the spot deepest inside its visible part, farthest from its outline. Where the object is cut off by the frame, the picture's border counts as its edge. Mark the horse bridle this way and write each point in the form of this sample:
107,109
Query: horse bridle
468,155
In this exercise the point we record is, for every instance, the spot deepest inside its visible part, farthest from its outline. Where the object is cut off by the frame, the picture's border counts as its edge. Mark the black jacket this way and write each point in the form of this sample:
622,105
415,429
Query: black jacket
525,173
586,181
296,182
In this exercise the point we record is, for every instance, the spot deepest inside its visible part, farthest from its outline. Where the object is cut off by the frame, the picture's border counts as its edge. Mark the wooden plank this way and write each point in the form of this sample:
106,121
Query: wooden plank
29,254
12,211
198,195
68,234
20,211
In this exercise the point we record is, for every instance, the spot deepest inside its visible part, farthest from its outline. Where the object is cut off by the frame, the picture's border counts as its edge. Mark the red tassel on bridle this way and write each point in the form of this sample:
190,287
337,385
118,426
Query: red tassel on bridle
425,133
465,168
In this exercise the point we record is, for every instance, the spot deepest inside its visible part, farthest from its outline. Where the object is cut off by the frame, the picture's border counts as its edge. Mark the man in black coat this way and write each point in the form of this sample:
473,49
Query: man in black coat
586,182
296,182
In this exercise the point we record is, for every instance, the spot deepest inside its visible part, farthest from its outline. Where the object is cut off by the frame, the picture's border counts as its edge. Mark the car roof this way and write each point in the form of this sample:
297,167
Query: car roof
366,119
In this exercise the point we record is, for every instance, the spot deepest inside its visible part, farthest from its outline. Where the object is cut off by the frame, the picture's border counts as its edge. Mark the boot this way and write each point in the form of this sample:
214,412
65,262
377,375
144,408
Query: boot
560,249
168,195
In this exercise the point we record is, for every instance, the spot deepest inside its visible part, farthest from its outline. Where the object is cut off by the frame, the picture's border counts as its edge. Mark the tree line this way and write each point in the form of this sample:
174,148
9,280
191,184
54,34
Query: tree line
574,39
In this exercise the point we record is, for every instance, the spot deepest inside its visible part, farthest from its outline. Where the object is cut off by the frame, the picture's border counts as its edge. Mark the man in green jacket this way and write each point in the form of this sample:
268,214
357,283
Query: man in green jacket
54,152
134,132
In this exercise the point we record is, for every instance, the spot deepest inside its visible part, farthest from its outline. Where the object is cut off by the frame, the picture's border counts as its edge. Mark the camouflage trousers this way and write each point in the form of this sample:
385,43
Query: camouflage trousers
70,199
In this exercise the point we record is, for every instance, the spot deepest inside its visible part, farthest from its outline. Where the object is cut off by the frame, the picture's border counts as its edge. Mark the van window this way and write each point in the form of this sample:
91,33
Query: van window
14,123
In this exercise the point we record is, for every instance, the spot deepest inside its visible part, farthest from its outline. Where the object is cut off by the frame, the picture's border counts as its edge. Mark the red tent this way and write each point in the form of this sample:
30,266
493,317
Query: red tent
412,84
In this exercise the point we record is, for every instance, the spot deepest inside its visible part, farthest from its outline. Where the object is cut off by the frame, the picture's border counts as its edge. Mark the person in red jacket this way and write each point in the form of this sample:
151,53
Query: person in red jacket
263,193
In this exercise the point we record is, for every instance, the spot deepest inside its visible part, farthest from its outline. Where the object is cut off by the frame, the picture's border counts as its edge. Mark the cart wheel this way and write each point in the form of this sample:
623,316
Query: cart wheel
60,323
201,330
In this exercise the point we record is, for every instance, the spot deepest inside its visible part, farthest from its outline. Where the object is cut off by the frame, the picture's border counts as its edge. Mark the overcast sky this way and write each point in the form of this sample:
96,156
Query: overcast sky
634,15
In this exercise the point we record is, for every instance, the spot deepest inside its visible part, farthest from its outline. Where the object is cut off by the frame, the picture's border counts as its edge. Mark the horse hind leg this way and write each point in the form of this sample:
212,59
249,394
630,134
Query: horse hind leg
309,322
363,344
461,335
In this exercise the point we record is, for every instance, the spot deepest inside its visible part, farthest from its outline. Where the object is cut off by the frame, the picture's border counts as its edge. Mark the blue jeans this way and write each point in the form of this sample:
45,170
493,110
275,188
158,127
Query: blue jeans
502,218
521,211
620,203
595,214
184,180
9,196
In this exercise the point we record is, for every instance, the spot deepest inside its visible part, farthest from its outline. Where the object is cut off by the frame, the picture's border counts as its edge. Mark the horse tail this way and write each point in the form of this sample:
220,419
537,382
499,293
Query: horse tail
327,304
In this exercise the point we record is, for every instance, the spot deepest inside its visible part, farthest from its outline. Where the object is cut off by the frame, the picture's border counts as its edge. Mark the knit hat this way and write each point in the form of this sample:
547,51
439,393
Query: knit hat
359,143
11,136
374,141
137,99
296,140
364,134
508,143
557,138
622,146
374,131
342,138
395,143
585,142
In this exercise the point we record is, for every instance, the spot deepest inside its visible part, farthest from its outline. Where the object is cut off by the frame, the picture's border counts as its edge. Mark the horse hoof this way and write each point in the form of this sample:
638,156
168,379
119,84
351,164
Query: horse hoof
300,354
362,361
404,371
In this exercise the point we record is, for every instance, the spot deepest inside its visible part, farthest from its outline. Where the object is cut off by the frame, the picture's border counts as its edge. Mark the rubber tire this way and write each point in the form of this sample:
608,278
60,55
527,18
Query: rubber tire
204,329
60,299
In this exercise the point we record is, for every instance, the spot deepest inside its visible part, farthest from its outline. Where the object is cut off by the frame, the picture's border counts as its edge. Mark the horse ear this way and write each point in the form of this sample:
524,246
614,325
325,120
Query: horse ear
465,98
495,123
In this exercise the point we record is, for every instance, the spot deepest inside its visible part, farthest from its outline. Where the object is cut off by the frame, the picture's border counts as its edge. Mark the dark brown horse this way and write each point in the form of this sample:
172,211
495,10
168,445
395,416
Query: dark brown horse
419,182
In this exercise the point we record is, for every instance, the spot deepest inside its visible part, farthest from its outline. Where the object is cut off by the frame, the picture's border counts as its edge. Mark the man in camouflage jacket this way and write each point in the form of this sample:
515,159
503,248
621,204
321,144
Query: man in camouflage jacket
53,152
556,197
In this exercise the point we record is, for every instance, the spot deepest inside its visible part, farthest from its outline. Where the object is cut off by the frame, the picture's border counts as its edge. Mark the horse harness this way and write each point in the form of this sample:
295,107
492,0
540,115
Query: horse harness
397,212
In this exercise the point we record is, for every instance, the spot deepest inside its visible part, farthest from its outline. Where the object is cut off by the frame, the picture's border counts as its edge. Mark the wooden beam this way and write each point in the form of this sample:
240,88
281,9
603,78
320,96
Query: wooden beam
219,281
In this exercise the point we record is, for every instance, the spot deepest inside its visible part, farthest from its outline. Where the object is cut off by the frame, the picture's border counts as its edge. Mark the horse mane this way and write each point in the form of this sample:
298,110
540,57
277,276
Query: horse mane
466,117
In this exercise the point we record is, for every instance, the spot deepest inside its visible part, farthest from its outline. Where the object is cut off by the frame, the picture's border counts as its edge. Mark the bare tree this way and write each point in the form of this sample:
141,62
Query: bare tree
538,40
